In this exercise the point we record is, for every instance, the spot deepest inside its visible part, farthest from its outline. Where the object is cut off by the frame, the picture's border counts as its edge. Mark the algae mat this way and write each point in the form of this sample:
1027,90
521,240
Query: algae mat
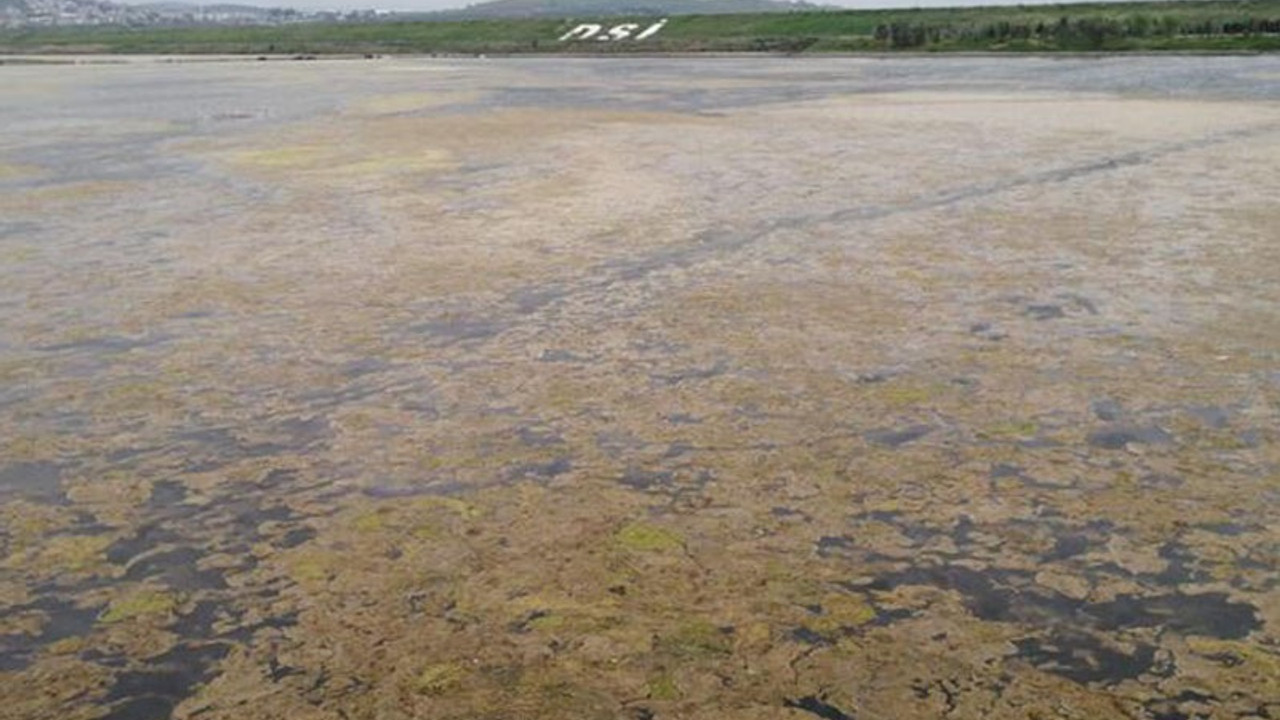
749,388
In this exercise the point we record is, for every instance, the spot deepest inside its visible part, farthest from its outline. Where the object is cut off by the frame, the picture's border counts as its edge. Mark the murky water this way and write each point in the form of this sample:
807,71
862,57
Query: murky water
647,388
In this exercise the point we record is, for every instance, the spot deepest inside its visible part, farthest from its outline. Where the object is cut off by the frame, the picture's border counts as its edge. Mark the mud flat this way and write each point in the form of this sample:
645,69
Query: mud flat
640,389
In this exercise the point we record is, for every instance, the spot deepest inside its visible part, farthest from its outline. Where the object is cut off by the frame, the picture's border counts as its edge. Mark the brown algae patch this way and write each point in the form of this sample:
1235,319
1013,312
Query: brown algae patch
14,171
334,164
571,410
410,102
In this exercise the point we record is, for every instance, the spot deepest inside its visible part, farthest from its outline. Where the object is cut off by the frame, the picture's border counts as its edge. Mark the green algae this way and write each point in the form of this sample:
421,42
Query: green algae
73,553
369,522
841,612
439,678
663,687
1010,429
141,604
648,538
547,622
696,639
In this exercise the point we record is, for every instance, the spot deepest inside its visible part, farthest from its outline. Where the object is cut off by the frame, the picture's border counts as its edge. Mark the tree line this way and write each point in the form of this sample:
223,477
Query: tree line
1082,33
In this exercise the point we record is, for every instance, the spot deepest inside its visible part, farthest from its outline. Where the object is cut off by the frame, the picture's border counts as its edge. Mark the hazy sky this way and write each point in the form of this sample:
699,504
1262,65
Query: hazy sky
447,4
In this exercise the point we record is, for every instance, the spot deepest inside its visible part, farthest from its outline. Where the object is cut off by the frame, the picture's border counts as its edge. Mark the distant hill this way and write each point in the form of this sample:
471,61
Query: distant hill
612,8
61,13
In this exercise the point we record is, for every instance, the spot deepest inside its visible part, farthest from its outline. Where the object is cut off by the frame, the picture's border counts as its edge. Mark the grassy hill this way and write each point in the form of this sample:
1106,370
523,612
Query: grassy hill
1190,25
616,8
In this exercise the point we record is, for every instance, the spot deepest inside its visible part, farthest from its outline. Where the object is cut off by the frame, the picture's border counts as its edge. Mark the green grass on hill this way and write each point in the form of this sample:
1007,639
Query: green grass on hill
1190,25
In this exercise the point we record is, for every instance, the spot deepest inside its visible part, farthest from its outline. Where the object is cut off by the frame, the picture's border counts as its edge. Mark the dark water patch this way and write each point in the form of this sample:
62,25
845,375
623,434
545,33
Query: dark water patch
834,546
276,478
898,437
805,636
677,449
640,713
278,671
1067,546
561,356
295,537
1107,410
13,658
1085,659
889,616
1206,614
86,524
539,437
1229,529
111,657
245,633
1117,438
107,344
675,482
438,488
1211,415
818,707
151,693
1160,481
10,228
144,708
983,592
1080,301
166,493
197,624
451,330
301,432
542,471
874,378
1180,569
246,518
177,568
987,331
63,619
526,624
531,300
125,454
364,366
1044,312
144,539
215,448
259,450
682,376
780,512
647,480
1010,596
1002,471
39,482
1249,439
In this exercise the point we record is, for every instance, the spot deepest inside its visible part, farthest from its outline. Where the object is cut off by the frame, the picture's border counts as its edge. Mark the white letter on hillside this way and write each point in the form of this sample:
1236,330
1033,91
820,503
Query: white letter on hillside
652,30
622,32
582,32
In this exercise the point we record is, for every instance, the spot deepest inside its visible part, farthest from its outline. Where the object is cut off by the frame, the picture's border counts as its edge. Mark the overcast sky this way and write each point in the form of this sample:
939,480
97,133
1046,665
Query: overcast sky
424,5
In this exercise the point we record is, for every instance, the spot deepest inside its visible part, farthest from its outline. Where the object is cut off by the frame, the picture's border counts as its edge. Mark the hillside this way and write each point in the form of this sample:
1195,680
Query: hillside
616,8
61,13
1187,25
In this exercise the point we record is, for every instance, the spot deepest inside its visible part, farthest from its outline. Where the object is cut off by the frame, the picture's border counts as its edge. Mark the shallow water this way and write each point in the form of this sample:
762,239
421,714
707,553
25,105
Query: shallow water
644,388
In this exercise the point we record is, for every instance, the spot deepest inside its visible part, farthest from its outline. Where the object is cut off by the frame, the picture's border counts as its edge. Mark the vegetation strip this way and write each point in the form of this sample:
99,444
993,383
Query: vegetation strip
1118,27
